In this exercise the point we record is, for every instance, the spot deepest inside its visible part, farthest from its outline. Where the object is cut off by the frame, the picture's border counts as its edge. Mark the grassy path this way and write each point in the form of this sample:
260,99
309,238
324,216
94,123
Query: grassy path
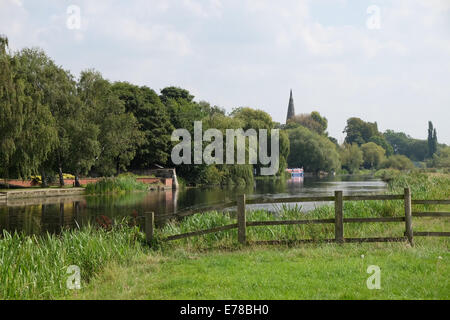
320,272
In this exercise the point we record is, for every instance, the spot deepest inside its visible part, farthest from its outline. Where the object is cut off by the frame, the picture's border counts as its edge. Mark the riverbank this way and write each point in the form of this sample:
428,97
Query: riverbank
13,194
215,267
92,186
117,264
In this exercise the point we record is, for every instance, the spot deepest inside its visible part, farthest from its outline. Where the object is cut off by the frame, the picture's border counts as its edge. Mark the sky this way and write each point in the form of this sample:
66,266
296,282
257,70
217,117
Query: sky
383,61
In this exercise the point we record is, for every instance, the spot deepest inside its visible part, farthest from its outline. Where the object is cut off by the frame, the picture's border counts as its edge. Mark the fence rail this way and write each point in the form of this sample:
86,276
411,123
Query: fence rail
338,219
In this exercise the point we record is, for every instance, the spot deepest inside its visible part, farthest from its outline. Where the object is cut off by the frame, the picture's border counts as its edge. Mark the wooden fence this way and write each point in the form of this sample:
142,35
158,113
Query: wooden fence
338,221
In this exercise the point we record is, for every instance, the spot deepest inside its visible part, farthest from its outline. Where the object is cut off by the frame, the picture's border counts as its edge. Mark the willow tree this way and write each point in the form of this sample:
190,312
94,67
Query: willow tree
55,88
39,134
11,115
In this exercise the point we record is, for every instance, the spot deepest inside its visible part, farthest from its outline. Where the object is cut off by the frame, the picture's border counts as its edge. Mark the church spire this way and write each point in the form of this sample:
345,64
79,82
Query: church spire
291,108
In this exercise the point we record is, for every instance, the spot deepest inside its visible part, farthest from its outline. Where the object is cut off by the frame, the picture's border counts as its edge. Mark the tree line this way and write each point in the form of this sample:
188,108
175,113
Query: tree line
53,123
364,147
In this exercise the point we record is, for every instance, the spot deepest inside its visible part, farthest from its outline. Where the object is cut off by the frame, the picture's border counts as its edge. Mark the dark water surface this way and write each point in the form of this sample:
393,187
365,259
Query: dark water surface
34,216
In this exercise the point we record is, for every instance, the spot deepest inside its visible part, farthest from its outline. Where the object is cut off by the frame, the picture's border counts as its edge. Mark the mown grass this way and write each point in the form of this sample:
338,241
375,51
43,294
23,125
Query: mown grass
34,267
116,185
325,271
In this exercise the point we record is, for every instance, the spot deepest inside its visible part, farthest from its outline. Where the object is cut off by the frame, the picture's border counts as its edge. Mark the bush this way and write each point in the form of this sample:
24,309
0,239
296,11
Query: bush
117,185
387,174
399,162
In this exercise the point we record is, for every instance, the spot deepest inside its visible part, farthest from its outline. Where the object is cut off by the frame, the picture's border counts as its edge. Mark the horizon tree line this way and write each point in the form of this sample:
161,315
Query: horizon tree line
52,123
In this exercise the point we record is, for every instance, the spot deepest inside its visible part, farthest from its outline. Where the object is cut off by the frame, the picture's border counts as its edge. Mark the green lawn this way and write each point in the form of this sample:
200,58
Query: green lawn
307,272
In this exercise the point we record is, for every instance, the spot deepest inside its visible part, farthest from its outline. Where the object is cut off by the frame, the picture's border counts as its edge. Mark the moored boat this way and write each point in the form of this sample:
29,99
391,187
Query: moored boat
296,172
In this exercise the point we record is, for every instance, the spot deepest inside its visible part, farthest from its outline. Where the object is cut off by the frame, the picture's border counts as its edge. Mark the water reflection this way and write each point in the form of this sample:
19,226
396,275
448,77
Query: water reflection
34,216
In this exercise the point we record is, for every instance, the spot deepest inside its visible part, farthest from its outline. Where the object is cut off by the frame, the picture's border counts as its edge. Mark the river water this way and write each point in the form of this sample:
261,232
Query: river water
40,215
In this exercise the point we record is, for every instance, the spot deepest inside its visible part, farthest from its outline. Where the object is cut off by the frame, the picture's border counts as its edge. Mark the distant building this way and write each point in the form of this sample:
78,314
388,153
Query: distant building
291,109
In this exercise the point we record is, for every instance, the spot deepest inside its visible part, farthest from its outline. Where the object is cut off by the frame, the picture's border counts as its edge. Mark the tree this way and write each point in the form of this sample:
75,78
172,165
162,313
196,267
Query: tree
58,91
432,140
359,131
119,134
84,146
399,162
441,159
373,155
311,151
176,94
11,112
314,122
382,142
39,135
402,143
253,118
351,157
259,119
154,121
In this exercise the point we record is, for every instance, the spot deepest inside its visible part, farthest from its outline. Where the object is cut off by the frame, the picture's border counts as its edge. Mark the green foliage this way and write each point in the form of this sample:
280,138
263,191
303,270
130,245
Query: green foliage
415,149
258,119
432,140
387,174
382,142
253,119
38,136
441,159
119,136
360,132
51,123
422,186
11,112
176,94
373,155
351,157
314,122
399,162
34,267
124,183
154,121
311,151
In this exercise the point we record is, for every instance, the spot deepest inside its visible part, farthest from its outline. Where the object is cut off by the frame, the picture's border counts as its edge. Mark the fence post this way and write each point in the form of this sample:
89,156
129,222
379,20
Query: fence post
241,219
339,217
149,226
408,216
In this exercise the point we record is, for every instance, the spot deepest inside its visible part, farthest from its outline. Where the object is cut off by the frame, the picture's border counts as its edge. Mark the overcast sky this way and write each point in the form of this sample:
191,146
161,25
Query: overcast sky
336,55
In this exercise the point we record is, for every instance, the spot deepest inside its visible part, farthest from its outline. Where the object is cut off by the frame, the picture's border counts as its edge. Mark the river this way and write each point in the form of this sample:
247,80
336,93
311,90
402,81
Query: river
40,215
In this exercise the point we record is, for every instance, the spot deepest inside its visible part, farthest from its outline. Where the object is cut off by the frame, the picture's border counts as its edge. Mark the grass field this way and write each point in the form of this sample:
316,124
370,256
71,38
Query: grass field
310,272
215,267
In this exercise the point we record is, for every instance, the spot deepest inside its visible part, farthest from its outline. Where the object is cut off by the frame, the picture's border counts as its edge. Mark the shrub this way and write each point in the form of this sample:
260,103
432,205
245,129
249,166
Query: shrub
399,162
117,185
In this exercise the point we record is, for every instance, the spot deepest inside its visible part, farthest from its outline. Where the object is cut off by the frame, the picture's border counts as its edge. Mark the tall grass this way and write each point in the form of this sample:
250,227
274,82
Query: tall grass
423,186
117,185
34,267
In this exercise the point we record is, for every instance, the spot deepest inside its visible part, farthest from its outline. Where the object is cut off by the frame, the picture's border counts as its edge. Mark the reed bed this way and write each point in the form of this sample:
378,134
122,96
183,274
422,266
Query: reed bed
35,267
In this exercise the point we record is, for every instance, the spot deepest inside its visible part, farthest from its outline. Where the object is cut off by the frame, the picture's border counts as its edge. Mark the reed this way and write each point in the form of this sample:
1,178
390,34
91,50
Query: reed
423,186
34,267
